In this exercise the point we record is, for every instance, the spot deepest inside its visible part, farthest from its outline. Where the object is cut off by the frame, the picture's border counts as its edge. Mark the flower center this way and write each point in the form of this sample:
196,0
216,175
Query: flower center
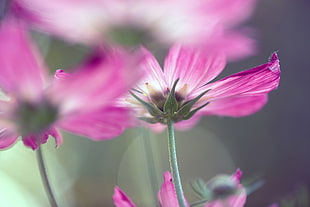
128,35
159,99
170,105
222,186
34,118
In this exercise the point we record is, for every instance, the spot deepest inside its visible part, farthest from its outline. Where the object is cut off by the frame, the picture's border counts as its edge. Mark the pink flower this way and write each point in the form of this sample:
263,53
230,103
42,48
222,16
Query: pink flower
33,106
207,23
185,80
236,196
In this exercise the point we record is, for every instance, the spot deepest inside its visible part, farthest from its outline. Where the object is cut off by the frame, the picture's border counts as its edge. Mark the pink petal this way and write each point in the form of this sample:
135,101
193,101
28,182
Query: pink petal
104,123
55,133
235,44
237,176
154,75
59,18
182,125
21,69
193,66
188,124
121,199
35,140
167,196
7,138
106,75
237,200
259,80
157,128
230,12
235,106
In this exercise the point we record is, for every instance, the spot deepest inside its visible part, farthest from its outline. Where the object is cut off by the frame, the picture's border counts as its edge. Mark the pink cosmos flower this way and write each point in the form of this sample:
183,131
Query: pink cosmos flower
207,23
33,106
235,194
183,93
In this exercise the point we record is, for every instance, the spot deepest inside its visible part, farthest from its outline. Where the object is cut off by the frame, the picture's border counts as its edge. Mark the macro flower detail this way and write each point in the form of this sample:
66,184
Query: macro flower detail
182,91
34,105
167,195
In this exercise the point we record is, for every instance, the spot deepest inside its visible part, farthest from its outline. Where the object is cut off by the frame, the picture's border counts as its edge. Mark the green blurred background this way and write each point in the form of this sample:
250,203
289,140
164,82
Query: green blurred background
273,143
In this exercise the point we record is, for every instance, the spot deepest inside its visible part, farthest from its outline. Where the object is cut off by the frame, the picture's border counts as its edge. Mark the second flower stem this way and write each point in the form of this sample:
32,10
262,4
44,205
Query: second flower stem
44,177
174,164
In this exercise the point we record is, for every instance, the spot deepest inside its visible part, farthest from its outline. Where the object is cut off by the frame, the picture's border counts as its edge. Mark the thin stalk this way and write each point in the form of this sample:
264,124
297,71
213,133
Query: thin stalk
44,178
151,167
174,164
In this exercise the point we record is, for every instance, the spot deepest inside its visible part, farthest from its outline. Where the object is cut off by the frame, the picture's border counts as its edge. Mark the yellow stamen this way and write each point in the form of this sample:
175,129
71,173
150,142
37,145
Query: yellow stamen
183,90
150,88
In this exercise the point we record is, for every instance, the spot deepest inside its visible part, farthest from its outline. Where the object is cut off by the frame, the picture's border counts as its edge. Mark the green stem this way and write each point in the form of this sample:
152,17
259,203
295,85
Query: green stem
44,177
174,164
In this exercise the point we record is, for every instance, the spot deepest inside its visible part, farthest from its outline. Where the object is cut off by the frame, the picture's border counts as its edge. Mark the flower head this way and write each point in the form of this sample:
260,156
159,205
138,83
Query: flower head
182,92
207,23
33,105
167,195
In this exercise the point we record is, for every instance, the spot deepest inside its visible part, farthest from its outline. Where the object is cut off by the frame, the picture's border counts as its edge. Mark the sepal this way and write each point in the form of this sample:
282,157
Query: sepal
192,113
171,104
185,109
153,110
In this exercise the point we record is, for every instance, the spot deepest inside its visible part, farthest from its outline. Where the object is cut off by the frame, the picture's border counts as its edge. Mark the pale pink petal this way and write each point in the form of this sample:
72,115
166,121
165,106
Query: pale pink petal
235,106
72,20
106,75
35,140
101,124
190,22
259,80
235,44
182,125
21,69
239,199
157,128
230,12
188,124
121,199
7,138
192,66
154,78
167,196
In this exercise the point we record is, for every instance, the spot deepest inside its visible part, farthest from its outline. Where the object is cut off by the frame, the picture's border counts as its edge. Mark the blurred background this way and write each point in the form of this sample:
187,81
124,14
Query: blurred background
272,144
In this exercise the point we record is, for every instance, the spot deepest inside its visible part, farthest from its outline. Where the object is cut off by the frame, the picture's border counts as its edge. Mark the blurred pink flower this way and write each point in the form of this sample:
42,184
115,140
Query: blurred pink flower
167,195
207,23
237,95
33,105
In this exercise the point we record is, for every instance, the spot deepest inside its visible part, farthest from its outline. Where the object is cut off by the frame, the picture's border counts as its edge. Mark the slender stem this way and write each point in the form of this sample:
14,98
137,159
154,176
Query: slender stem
151,167
44,178
174,164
